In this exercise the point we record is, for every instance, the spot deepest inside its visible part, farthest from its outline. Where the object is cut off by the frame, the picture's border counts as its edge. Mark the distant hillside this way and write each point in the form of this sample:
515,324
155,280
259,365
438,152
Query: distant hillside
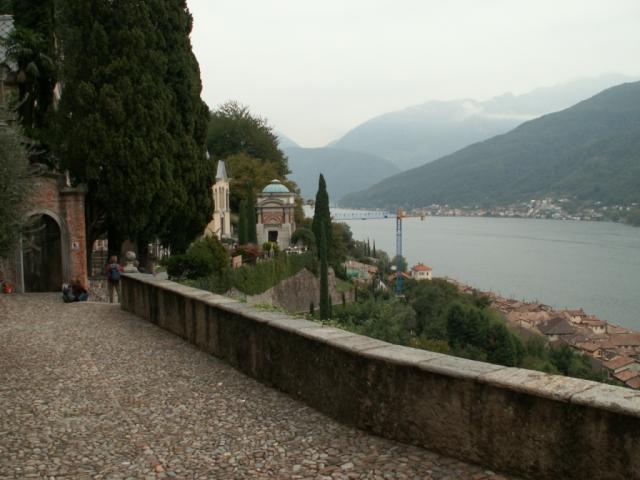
590,151
423,133
285,142
344,171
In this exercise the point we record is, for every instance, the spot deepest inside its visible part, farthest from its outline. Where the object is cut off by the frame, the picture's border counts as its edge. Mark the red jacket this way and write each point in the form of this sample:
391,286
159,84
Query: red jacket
107,269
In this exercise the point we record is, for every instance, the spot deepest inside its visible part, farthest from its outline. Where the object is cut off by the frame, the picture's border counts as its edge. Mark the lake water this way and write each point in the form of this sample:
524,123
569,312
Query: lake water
590,265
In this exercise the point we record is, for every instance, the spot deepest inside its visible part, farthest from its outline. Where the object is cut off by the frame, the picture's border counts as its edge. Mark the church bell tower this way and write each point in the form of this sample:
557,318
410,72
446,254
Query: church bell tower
220,225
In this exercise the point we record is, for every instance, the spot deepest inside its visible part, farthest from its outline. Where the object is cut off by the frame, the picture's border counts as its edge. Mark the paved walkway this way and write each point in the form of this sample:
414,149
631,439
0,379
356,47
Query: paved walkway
89,391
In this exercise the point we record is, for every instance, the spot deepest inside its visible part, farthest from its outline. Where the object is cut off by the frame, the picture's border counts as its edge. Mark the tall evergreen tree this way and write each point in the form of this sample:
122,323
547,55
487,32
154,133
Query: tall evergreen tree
242,223
322,216
114,116
131,122
252,235
325,305
193,173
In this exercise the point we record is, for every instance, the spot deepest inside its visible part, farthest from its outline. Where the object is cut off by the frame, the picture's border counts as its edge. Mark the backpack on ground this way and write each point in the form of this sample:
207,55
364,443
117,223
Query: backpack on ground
114,273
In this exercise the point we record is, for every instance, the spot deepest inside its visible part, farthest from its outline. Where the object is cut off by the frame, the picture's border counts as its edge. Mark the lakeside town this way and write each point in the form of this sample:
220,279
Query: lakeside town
544,208
611,347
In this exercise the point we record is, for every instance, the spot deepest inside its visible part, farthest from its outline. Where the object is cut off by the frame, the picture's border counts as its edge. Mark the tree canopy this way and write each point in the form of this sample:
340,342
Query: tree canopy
233,130
131,123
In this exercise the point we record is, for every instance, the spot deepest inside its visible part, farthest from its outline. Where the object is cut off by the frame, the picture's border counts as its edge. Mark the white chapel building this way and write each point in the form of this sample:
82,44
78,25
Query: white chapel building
275,207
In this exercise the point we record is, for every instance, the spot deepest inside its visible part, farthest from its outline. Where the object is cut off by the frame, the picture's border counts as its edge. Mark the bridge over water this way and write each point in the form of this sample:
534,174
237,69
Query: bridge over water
361,215
89,391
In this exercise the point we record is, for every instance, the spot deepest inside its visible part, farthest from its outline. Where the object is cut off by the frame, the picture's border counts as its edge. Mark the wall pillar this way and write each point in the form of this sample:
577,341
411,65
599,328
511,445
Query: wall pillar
72,208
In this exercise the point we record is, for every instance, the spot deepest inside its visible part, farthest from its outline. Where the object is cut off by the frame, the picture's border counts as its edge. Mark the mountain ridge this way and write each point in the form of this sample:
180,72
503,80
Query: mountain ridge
344,171
589,151
425,132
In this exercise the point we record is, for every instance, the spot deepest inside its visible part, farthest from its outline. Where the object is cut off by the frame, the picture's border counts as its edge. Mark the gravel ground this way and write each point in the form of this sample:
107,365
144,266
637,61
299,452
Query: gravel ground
89,391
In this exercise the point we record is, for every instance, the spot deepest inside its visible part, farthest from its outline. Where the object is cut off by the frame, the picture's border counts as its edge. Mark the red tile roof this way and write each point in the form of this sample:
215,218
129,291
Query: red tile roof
626,375
619,362
588,347
634,382
557,326
421,267
625,339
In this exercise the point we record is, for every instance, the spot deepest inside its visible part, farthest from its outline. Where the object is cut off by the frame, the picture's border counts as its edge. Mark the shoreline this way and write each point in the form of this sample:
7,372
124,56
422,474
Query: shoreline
390,214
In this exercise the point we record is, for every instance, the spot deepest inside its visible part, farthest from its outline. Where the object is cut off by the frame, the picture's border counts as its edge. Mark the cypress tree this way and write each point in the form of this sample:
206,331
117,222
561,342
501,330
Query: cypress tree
192,172
252,236
131,123
322,217
108,118
374,249
242,223
325,307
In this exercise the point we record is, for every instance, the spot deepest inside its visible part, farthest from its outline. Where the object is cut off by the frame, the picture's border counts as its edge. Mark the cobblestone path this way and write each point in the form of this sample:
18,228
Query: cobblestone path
89,391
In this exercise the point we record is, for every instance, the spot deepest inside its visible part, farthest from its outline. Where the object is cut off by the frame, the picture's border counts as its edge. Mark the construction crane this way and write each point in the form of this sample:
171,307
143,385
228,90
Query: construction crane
400,214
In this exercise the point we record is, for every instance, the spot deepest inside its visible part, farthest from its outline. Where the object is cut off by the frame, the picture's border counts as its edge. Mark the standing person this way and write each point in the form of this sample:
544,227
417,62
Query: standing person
113,271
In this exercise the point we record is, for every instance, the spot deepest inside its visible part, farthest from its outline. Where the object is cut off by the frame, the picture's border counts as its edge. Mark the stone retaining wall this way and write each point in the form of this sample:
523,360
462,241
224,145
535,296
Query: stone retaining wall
296,293
507,419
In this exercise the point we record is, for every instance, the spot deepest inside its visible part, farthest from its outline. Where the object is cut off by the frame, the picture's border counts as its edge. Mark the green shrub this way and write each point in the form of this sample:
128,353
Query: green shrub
304,236
202,259
254,279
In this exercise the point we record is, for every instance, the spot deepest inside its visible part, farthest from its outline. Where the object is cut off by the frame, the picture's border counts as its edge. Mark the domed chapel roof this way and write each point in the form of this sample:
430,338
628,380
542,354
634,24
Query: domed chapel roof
275,186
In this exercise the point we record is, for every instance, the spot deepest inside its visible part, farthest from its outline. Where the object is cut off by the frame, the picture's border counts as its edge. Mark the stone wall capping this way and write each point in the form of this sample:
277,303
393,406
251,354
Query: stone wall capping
244,310
608,397
400,355
144,277
535,383
357,343
292,324
197,294
458,367
323,333
215,299
185,290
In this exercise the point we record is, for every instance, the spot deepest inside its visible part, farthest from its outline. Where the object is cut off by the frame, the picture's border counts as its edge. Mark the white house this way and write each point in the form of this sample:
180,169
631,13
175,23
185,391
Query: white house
421,272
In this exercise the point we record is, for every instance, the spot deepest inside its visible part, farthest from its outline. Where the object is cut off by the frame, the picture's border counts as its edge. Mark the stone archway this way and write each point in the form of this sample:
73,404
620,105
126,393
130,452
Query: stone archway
42,254
53,249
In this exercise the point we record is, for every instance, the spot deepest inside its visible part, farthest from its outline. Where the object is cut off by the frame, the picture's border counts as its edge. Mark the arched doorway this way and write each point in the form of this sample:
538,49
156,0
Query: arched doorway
42,255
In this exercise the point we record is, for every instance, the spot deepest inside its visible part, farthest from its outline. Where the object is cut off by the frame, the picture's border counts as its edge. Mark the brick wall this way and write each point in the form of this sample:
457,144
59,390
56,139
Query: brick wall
49,196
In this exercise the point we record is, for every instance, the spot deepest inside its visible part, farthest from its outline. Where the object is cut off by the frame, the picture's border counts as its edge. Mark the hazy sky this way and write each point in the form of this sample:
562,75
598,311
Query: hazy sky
315,69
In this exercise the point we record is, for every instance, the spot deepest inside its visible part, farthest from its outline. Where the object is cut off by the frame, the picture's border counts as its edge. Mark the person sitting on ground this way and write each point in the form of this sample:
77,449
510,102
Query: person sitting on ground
74,292
67,293
79,291
113,270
